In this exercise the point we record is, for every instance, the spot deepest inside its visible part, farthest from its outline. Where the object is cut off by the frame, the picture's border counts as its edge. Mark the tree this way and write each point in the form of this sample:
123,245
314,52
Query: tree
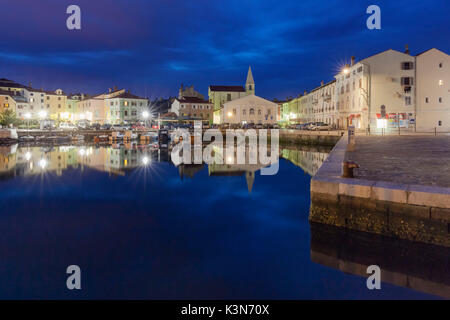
8,117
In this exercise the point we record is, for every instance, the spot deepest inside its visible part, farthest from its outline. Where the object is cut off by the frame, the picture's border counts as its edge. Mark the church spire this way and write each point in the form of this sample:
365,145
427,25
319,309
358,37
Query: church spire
250,83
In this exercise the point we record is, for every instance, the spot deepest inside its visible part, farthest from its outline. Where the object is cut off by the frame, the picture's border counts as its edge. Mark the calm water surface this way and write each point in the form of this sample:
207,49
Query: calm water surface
139,227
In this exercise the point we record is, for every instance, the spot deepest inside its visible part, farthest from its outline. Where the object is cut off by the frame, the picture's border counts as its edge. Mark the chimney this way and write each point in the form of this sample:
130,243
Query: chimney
406,49
29,84
305,93
109,90
115,88
353,61
321,83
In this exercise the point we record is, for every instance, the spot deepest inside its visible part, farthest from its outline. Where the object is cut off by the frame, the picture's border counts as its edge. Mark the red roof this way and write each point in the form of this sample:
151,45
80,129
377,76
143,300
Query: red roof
192,100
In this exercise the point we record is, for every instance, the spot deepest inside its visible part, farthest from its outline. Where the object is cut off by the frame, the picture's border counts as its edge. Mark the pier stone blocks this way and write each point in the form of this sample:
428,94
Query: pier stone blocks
419,213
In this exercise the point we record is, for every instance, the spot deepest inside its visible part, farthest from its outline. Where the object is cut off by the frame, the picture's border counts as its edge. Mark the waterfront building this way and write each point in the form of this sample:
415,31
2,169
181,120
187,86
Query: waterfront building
389,90
36,98
218,95
433,90
124,107
72,106
92,108
6,101
250,109
55,104
192,108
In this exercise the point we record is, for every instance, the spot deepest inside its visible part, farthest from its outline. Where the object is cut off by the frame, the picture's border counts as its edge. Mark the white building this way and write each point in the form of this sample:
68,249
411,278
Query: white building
389,90
192,108
250,109
433,91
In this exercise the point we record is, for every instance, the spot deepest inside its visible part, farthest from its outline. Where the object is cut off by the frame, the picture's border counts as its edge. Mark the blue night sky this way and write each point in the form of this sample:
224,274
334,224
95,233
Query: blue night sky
151,47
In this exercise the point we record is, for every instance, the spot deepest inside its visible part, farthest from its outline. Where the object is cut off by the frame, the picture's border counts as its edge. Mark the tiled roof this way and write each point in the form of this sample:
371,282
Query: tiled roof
192,100
127,95
227,88
10,84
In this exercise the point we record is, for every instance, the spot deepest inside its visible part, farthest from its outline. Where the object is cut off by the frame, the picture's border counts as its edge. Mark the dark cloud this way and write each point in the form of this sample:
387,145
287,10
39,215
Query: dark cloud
153,46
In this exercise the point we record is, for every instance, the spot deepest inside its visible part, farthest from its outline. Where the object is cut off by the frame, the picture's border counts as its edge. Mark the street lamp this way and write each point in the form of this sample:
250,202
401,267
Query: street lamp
42,114
28,116
145,115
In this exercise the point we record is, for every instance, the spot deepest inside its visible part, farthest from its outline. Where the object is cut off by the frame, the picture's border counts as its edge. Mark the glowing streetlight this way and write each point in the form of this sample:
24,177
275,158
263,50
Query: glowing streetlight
145,115
43,163
28,116
42,114
230,114
346,70
28,156
145,161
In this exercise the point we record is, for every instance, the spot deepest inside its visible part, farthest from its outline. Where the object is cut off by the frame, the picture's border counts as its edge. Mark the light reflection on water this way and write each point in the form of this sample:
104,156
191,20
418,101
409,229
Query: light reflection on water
139,227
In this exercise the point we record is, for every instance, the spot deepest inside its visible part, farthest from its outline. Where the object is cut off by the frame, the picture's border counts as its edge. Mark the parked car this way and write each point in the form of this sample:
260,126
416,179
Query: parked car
83,124
95,126
138,126
258,126
67,126
320,126
48,124
105,126
117,127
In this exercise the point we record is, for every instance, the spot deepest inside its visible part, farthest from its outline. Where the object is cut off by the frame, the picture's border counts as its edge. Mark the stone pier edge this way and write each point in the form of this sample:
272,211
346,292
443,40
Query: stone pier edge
413,212
328,180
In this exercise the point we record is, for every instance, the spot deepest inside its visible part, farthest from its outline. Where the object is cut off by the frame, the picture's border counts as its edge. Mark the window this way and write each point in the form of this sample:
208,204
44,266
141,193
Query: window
134,113
440,100
48,98
441,82
342,89
250,87
359,69
125,103
59,106
228,96
252,111
244,112
440,65
426,100
259,112
439,123
126,113
407,101
407,65
407,81
234,111
48,106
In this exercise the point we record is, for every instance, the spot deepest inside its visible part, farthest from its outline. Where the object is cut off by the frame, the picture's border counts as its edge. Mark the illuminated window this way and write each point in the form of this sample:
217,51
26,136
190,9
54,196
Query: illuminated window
441,82
125,103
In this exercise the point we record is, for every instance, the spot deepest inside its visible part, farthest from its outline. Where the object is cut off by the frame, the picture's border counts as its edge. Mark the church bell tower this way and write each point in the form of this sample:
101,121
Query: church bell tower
250,83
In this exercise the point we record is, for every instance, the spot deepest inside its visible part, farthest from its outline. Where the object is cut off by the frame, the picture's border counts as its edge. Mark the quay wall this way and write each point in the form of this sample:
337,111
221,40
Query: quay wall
412,212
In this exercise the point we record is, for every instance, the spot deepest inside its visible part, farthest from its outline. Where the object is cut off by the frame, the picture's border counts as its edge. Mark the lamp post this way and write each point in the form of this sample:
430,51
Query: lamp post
42,115
145,115
28,116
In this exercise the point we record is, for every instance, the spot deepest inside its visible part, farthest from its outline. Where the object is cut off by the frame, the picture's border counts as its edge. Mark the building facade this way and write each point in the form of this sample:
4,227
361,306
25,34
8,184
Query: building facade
193,108
219,95
433,91
250,109
390,90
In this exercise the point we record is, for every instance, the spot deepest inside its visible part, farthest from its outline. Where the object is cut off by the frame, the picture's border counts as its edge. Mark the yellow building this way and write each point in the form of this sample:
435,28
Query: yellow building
219,95
55,105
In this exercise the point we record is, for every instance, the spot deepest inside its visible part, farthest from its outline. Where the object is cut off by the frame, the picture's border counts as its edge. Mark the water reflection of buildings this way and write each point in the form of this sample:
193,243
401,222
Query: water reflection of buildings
25,161
421,267
306,157
35,160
